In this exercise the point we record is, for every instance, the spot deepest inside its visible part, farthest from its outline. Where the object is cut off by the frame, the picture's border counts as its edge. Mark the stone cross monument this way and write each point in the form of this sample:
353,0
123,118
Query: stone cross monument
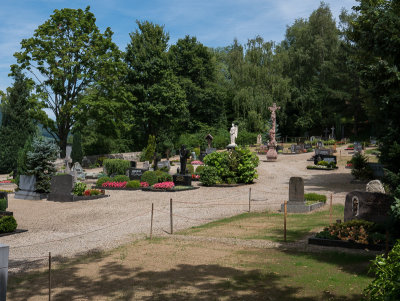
272,155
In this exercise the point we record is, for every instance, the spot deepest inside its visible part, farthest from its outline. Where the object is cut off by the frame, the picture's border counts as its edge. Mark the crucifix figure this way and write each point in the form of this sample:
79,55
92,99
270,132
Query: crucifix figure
272,155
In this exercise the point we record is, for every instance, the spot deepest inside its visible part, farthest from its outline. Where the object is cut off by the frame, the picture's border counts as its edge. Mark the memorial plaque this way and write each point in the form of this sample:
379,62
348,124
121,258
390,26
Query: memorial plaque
135,173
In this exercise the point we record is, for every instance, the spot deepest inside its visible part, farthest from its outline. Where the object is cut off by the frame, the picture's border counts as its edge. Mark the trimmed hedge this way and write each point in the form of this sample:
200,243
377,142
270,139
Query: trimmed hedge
315,197
3,204
116,166
8,224
133,184
120,178
149,177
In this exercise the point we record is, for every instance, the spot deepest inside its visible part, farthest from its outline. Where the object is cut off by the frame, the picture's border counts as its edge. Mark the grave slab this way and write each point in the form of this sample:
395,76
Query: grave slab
4,251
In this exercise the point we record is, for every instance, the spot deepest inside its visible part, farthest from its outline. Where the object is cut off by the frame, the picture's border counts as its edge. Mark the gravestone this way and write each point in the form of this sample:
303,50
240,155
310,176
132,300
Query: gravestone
4,195
86,162
68,159
259,139
296,203
4,251
163,164
312,138
293,148
326,158
372,140
209,139
320,144
135,173
61,188
323,152
78,171
370,206
27,188
296,189
182,180
357,147
307,146
146,165
375,186
377,170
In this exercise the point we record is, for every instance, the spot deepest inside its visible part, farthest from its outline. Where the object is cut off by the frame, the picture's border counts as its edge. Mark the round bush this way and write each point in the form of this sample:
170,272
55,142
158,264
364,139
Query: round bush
3,204
7,224
190,169
209,176
163,176
149,177
102,180
199,169
79,188
116,166
120,178
133,184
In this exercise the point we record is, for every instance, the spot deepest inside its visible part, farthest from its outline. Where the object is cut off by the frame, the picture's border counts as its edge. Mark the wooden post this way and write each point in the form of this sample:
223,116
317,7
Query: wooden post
151,220
284,222
49,276
249,198
330,211
170,216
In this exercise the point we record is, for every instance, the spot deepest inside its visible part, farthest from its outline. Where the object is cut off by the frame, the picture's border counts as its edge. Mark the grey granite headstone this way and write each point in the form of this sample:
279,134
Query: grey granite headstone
27,188
375,186
78,170
296,189
146,165
4,251
163,164
369,206
61,188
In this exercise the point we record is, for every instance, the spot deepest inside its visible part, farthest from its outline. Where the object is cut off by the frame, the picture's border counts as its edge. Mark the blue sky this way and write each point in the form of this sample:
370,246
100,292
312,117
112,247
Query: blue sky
214,23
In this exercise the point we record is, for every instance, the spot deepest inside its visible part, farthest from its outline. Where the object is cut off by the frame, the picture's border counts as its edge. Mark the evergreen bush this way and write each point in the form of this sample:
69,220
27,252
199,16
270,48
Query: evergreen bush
150,177
163,176
209,176
7,224
102,180
77,153
133,184
79,188
120,178
199,169
361,169
3,204
116,166
148,151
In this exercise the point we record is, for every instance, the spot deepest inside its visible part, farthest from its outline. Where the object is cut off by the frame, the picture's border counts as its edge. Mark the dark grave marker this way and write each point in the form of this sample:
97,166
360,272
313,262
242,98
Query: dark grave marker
135,173
61,188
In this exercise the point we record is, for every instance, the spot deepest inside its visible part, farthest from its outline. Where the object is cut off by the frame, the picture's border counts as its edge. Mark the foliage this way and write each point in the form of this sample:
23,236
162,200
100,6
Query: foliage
102,180
237,166
199,169
149,150
120,178
77,153
149,177
7,224
209,176
79,188
164,185
40,162
360,170
159,100
315,197
133,184
190,168
386,285
90,192
3,204
116,166
193,140
66,52
395,208
17,110
246,138
163,176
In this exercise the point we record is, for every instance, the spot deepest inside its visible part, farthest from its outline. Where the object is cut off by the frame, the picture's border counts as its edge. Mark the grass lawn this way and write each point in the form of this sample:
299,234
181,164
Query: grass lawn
267,225
173,269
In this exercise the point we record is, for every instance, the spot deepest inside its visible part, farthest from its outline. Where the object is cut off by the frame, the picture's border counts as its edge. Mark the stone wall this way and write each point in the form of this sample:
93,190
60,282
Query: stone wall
89,160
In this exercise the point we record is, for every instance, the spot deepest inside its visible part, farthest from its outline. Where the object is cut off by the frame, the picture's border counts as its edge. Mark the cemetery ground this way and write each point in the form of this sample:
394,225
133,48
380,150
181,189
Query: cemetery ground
240,257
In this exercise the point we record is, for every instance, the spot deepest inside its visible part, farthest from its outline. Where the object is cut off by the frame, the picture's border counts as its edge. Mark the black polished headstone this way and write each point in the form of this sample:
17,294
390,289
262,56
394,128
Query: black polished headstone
61,188
182,180
135,173
133,164
327,158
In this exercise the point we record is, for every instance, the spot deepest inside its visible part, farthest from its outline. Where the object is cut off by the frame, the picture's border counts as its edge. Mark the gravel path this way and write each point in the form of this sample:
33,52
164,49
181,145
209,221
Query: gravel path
68,229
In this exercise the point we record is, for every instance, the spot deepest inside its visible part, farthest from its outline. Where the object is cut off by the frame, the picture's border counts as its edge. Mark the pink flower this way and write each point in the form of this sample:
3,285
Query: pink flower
114,184
164,185
5,182
144,184
197,162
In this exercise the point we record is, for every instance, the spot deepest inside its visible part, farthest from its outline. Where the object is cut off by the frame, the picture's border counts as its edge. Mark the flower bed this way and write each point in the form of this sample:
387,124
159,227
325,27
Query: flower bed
121,187
320,167
197,162
6,182
174,189
110,184
195,177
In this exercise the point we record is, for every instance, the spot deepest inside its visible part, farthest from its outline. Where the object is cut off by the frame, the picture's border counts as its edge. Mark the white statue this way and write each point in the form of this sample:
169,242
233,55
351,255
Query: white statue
234,133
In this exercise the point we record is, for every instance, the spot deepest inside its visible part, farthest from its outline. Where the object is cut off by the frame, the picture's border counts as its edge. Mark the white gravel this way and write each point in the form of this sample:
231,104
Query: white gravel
68,229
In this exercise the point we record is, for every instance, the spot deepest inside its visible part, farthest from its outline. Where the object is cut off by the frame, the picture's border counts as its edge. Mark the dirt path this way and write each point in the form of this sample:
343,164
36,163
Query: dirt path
68,229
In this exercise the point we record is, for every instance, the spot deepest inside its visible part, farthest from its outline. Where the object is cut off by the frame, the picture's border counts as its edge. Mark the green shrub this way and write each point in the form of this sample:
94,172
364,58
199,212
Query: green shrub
164,169
148,152
3,204
386,285
116,166
7,224
246,138
197,151
133,184
163,176
120,178
361,169
102,180
199,169
315,197
323,163
79,188
150,177
209,176
247,164
190,168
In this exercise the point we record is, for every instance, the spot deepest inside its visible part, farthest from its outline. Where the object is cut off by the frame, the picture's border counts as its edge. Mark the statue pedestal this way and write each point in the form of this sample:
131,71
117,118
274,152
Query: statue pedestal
231,146
272,155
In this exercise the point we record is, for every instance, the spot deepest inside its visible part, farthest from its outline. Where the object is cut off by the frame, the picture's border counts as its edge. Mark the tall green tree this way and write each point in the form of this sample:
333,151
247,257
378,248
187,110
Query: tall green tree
195,65
65,55
17,108
77,153
159,101
376,36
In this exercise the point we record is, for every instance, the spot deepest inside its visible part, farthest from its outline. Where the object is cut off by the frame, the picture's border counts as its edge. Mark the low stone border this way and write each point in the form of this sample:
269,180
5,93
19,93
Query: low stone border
345,244
17,231
169,190
89,197
319,168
